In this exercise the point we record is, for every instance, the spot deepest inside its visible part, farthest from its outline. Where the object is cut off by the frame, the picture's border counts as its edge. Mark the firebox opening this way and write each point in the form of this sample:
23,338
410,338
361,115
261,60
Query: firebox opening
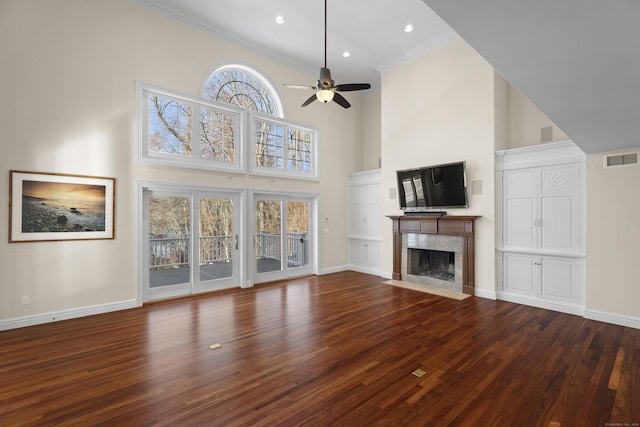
437,264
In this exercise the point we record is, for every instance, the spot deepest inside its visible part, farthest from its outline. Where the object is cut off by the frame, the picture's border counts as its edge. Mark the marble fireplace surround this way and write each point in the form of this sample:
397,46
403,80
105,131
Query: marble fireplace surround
436,233
434,242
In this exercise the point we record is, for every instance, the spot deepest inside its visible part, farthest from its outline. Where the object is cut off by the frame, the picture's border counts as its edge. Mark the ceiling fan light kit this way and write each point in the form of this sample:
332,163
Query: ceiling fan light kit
324,95
326,89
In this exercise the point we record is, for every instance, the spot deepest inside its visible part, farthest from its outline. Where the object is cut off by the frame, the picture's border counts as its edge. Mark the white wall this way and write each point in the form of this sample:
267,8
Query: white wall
440,108
69,70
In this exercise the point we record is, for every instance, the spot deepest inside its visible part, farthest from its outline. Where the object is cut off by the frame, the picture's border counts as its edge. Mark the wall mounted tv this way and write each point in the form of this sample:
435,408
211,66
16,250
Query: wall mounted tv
433,187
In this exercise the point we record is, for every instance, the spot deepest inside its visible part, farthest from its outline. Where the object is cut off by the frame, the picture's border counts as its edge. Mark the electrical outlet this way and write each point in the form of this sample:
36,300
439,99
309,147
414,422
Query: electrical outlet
25,299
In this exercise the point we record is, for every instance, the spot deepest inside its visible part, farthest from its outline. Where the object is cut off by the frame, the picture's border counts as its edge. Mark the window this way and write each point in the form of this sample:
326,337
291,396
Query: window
281,148
192,132
243,87
239,116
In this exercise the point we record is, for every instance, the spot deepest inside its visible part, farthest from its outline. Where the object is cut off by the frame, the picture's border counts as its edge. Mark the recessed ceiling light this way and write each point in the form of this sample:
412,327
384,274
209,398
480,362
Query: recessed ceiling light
346,54
280,19
408,28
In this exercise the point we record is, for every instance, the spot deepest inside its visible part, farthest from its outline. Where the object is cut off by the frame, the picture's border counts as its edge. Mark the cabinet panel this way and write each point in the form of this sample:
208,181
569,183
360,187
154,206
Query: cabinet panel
520,183
557,278
519,223
520,207
558,180
557,223
365,212
365,253
519,273
358,220
374,219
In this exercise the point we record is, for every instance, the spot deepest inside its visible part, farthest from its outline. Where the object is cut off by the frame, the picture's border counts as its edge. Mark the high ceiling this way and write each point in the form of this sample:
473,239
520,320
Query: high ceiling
372,32
577,60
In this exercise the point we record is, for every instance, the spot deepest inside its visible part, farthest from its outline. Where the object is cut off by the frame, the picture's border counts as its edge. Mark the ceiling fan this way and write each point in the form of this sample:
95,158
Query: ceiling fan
326,89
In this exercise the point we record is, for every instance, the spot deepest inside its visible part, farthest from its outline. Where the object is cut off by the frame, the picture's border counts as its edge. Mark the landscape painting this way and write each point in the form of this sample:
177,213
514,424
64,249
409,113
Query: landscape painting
45,207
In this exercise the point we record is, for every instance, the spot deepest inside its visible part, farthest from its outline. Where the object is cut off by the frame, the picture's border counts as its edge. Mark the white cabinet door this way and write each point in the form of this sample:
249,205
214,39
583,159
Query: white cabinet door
365,253
520,209
558,208
540,209
553,279
519,274
558,279
365,213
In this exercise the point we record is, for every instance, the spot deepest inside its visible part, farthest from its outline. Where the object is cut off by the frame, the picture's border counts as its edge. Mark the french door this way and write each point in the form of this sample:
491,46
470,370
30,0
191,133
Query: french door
282,236
191,242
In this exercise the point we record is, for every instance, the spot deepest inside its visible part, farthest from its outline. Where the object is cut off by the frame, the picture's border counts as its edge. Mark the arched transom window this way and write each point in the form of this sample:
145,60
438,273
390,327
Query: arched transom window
243,87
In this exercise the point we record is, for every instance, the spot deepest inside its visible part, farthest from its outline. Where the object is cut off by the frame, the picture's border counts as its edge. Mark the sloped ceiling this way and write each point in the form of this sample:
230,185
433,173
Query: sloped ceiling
577,60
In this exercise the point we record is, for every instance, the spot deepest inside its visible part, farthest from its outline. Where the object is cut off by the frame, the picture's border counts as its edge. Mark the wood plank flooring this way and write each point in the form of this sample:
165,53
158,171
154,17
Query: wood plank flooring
334,350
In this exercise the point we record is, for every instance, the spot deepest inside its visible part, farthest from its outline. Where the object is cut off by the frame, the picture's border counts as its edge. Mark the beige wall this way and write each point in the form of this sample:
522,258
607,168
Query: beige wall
69,71
372,156
501,107
526,122
440,108
613,236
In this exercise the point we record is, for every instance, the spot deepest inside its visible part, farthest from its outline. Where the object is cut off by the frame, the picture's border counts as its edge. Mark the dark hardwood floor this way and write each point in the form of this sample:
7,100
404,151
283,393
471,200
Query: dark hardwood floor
334,350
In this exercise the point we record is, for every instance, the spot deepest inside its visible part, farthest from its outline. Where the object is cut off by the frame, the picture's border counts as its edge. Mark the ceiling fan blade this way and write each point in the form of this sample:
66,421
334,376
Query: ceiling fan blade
299,86
309,101
352,86
340,100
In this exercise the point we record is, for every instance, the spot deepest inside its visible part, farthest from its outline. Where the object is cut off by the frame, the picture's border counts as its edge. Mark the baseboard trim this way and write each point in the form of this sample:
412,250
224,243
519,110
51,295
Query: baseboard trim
578,311
360,269
54,316
331,270
616,319
483,293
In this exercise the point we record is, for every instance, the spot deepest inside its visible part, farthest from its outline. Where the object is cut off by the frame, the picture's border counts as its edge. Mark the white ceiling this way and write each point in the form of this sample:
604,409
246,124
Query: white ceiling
577,60
373,32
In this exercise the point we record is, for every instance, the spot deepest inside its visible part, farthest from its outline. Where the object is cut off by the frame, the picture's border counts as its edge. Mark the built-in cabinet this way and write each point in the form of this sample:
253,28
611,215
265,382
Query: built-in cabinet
541,226
365,221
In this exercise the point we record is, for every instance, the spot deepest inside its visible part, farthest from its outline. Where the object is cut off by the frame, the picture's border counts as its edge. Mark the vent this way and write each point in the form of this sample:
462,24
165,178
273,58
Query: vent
621,160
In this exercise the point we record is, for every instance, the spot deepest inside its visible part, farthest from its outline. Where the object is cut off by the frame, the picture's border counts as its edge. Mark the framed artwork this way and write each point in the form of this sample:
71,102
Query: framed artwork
53,207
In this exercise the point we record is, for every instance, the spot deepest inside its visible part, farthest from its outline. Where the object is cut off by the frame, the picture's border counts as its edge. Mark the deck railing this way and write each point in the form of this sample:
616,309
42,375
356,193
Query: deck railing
174,252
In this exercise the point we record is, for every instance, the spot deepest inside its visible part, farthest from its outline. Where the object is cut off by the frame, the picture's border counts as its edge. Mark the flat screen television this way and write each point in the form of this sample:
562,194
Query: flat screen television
433,187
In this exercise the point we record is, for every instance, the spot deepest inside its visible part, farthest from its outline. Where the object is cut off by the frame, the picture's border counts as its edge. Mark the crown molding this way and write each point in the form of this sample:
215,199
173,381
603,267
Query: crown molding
427,47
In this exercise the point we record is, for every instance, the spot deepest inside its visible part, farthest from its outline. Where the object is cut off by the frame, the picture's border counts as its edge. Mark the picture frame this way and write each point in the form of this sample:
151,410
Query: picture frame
55,207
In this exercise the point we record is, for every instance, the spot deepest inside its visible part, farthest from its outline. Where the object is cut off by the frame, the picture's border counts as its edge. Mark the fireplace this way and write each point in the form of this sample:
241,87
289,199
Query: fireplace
433,259
435,250
436,264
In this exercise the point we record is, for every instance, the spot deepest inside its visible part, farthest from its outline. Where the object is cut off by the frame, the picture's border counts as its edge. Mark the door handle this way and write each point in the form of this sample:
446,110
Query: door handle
236,242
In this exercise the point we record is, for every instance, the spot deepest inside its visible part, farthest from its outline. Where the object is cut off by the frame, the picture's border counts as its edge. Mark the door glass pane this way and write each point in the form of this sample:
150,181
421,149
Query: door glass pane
297,234
216,239
169,235
268,235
